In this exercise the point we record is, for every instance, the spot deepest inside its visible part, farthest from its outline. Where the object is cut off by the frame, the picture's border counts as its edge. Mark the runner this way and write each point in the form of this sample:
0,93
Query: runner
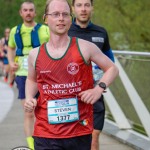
83,28
62,73
1,61
8,75
23,38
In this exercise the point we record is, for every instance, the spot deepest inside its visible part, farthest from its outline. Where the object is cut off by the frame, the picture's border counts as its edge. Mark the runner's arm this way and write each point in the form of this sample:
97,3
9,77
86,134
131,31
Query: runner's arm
92,53
31,88
11,58
109,54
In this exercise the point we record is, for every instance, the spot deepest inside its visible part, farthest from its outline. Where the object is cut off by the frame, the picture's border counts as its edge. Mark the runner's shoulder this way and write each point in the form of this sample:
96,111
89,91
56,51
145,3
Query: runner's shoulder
98,28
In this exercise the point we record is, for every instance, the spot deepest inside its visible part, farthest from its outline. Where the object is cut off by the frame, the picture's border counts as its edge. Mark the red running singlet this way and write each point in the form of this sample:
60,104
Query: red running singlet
61,78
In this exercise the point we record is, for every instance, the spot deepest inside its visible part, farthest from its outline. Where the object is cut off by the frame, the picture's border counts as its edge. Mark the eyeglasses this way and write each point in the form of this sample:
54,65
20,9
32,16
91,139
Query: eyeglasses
57,15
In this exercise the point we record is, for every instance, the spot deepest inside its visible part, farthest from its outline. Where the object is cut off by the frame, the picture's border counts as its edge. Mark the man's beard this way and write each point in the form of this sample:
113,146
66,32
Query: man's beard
29,21
84,21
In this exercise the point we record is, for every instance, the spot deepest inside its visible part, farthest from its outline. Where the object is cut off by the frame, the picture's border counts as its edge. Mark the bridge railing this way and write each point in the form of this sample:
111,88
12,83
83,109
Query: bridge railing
128,99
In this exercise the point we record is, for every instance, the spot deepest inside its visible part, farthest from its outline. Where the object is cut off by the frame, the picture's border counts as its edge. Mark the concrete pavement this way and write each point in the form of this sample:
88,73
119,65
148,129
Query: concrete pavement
11,124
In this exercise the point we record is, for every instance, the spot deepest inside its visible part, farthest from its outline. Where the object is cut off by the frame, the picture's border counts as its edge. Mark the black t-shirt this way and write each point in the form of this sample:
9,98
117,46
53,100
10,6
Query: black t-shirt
93,33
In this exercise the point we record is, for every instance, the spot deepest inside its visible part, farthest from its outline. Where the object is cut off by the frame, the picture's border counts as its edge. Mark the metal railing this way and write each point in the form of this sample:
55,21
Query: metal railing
134,53
136,101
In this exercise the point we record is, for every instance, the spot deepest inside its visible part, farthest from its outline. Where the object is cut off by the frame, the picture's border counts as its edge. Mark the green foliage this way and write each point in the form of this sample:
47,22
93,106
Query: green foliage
127,21
40,7
9,14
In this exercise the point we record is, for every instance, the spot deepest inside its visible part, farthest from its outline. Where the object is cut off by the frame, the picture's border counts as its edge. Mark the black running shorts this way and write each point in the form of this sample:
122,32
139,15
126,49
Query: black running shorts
74,143
99,114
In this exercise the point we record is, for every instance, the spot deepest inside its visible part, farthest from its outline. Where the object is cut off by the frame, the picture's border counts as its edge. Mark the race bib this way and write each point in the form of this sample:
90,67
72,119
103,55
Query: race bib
63,110
25,63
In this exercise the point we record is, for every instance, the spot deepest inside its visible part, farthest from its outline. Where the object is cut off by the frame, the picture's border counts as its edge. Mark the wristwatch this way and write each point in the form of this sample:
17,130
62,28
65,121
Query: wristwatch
102,85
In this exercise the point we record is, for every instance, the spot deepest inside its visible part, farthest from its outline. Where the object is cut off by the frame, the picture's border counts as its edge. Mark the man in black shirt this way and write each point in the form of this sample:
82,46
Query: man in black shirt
83,28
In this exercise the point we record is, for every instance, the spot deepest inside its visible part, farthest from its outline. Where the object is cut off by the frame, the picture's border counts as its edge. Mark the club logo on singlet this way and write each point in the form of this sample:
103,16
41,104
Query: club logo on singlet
73,68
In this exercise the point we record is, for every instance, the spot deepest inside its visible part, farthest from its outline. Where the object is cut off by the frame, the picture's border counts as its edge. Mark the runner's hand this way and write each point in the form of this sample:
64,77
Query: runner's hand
91,96
30,105
14,66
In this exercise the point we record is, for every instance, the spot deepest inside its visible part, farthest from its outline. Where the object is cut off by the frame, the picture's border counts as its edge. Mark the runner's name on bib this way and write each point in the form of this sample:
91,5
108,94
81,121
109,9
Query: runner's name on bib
63,110
25,63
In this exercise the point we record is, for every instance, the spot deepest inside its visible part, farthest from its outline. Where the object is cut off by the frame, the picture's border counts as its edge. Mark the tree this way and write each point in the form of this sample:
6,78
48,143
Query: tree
127,21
